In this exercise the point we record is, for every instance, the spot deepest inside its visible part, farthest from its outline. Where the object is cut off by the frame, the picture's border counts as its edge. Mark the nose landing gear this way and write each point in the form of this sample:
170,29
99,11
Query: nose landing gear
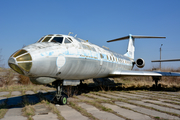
60,97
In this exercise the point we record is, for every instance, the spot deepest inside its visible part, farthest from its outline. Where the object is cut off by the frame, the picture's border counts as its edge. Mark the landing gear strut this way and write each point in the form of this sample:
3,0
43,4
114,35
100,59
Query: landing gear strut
156,79
60,96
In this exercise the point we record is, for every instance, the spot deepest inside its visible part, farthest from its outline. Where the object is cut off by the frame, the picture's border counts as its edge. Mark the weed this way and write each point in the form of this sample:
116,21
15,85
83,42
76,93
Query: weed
24,80
171,102
28,111
53,108
7,79
3,110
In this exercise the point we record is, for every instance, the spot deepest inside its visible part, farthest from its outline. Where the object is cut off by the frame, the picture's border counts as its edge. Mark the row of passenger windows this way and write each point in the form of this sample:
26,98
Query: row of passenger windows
111,58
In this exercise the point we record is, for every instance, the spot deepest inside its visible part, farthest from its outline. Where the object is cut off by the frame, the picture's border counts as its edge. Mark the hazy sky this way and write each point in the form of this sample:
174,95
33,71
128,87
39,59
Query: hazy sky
23,22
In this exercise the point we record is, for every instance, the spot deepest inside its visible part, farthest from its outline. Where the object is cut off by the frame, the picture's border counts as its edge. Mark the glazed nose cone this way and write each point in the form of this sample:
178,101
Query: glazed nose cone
20,62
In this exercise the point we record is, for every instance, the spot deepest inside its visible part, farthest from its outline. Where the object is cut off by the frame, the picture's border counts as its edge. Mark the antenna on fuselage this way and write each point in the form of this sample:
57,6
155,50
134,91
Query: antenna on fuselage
75,35
70,33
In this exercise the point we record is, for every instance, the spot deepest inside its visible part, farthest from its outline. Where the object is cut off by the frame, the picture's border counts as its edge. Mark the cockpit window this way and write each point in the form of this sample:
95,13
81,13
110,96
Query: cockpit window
66,41
46,39
40,39
57,39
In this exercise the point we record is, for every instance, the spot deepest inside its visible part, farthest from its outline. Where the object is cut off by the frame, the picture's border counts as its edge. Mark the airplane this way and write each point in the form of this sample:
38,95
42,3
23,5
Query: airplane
65,60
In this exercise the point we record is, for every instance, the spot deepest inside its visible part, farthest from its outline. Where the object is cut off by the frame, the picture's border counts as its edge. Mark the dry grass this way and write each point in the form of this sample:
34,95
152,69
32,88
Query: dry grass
6,79
23,88
24,80
28,111
147,82
3,110
53,108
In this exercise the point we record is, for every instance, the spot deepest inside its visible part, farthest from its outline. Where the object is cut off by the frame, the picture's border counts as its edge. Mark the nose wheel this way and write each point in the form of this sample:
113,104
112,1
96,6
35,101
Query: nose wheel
60,97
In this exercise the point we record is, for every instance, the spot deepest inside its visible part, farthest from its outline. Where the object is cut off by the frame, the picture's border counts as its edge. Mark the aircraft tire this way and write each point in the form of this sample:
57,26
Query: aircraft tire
63,100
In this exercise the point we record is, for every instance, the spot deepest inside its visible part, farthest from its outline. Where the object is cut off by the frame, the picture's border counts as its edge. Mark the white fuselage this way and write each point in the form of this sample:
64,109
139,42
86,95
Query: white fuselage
72,61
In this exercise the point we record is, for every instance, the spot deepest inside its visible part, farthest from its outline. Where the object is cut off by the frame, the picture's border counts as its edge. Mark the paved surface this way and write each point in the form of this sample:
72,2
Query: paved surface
43,113
15,93
99,114
113,105
14,114
70,114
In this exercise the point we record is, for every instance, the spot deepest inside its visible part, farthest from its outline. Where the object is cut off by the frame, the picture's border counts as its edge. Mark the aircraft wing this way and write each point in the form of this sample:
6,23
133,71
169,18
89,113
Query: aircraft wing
142,73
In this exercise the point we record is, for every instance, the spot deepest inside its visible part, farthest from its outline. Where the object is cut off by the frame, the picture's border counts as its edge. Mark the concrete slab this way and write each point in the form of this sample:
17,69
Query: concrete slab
41,109
127,113
84,98
153,95
109,96
166,109
102,115
169,101
135,95
14,118
98,97
147,111
41,91
163,103
4,93
158,95
70,114
14,101
29,92
14,113
166,94
49,116
72,99
123,95
2,100
15,93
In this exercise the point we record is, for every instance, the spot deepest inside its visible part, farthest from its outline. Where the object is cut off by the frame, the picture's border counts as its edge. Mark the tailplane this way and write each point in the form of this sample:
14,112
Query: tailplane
131,48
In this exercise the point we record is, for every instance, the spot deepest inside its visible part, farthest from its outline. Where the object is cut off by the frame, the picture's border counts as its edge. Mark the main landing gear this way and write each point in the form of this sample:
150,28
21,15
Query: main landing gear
156,79
60,97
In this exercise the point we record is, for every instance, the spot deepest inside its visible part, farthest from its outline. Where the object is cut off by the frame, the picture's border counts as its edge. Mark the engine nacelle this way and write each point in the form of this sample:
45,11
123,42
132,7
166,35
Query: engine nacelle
140,63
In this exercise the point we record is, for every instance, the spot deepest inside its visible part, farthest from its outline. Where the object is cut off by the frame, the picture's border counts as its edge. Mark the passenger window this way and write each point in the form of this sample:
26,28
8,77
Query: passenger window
57,39
101,55
66,41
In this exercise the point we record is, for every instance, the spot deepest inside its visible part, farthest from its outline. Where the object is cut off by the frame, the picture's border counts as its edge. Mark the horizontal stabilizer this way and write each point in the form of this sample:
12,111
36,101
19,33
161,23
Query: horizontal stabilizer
170,60
134,36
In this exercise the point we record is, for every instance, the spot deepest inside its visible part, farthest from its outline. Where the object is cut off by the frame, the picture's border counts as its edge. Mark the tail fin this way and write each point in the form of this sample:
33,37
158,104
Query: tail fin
131,48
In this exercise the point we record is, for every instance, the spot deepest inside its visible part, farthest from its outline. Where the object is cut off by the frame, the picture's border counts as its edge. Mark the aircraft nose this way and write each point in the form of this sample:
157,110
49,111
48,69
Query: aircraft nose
21,61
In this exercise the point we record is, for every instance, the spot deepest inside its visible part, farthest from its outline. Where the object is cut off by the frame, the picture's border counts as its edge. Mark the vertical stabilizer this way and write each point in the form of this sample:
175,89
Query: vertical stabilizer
131,48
